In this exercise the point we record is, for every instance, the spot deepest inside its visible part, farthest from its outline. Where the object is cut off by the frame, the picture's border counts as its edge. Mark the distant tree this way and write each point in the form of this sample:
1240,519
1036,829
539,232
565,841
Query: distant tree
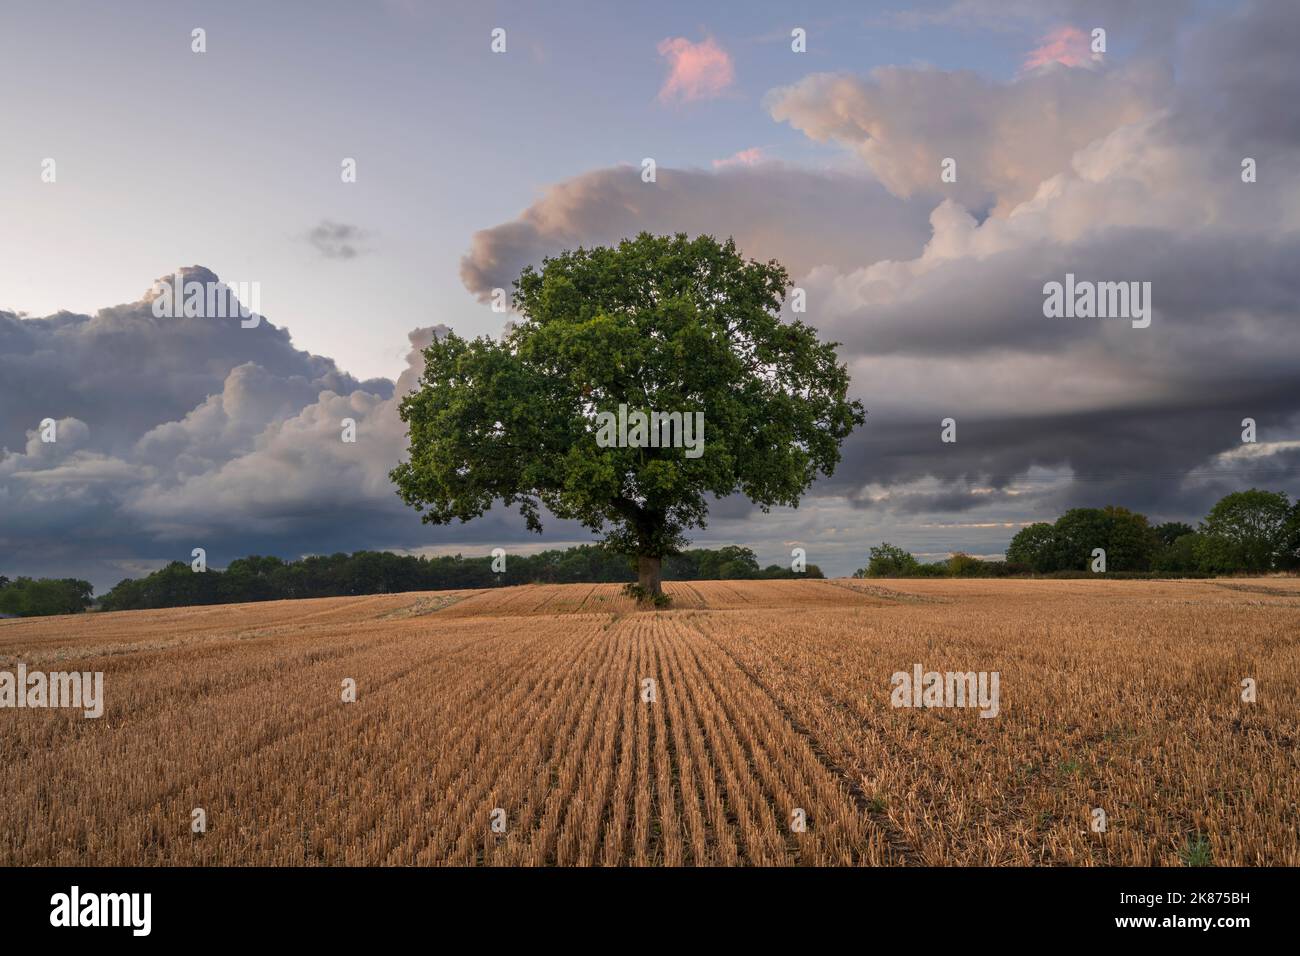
1124,535
1075,535
254,579
1171,531
683,566
1035,547
1130,540
263,578
962,565
727,563
888,561
1181,555
777,571
42,597
1246,531
1289,556
658,323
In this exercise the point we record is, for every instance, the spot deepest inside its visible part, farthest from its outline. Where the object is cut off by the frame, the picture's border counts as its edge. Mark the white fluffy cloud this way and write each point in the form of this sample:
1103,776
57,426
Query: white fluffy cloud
1006,138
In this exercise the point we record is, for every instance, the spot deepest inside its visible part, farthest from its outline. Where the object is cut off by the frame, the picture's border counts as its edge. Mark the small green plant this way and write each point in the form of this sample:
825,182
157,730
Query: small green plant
1196,852
645,597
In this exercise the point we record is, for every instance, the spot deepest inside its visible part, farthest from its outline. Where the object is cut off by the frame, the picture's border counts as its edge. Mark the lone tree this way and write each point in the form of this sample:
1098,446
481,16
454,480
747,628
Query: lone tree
659,324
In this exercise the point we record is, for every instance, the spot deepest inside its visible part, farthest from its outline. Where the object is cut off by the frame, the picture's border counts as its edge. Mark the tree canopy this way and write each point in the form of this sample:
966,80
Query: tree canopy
39,597
1246,530
663,324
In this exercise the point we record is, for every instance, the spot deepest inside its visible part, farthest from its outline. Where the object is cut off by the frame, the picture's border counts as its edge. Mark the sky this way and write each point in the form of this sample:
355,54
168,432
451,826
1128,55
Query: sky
1122,165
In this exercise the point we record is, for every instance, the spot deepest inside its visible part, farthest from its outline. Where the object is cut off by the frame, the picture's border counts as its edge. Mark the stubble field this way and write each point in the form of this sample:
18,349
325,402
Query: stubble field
511,727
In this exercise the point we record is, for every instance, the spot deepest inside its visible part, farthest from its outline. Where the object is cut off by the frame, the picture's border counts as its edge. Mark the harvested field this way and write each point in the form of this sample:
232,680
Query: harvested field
768,697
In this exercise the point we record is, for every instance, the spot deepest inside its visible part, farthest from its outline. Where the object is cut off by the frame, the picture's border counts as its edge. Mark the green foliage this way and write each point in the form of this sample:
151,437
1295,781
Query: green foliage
1127,538
1171,531
1247,531
1035,547
704,565
1130,541
645,596
1196,852
258,578
658,323
1180,555
41,597
1075,535
1289,558
888,561
961,565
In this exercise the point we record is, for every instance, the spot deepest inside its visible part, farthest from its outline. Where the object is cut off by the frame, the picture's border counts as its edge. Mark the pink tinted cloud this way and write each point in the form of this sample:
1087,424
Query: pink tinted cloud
746,157
696,71
1068,45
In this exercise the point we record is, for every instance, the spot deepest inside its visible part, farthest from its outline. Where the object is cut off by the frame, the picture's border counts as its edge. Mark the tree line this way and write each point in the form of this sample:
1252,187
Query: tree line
1246,532
267,578
37,597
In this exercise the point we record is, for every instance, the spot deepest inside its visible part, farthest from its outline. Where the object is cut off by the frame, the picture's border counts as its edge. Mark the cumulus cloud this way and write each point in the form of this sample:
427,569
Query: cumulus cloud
1006,138
804,218
179,433
1129,171
124,370
1142,417
696,71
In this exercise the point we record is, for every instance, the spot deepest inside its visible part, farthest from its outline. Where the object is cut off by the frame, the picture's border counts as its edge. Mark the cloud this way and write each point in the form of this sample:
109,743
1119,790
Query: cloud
696,71
123,370
804,218
1128,172
176,433
1151,191
337,240
1006,138
1066,45
745,157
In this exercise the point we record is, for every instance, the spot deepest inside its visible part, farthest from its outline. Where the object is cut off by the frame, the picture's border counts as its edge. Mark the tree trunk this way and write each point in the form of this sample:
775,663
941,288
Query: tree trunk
650,575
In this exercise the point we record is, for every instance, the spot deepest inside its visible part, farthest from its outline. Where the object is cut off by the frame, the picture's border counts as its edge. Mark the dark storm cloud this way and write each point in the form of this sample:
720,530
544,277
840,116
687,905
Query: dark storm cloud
1112,171
181,433
123,370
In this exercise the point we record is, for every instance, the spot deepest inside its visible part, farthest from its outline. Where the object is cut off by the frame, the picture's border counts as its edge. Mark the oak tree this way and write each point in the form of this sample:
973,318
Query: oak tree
664,324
